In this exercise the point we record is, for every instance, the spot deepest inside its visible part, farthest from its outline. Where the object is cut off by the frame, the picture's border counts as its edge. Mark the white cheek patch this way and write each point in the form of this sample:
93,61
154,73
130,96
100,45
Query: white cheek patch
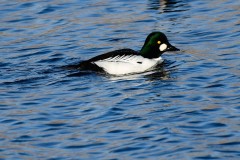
163,47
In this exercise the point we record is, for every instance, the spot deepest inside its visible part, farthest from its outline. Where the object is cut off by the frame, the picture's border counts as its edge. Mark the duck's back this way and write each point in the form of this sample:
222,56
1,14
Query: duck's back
91,65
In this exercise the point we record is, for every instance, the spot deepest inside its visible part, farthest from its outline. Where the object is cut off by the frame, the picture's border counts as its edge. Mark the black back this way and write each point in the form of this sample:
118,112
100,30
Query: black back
91,66
115,53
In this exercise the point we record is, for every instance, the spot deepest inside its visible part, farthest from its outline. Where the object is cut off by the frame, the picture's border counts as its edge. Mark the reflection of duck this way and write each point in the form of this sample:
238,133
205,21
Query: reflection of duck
127,61
164,5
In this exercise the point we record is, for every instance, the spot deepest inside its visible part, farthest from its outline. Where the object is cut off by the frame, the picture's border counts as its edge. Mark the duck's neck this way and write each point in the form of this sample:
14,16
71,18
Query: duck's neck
150,52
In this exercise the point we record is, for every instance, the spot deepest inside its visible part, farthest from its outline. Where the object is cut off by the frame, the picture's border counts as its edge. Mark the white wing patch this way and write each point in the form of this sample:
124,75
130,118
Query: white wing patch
123,58
126,64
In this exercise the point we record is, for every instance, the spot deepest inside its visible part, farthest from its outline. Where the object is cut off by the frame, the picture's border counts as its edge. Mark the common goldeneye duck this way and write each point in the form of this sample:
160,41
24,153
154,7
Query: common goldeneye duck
128,61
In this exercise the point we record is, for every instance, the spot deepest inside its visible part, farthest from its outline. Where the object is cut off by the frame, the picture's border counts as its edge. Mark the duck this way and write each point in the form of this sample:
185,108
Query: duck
128,61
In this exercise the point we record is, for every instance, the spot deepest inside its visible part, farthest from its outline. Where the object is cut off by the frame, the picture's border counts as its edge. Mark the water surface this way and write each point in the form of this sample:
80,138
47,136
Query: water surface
189,109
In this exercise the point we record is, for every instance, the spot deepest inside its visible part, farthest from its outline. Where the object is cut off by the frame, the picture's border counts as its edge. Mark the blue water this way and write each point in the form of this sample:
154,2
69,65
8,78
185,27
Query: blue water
189,109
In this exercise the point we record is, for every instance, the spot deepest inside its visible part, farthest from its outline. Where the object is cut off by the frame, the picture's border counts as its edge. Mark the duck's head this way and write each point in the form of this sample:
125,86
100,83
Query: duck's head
155,45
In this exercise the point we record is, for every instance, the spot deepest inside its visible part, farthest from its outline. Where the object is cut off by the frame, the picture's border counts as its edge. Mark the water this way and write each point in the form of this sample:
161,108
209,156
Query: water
189,109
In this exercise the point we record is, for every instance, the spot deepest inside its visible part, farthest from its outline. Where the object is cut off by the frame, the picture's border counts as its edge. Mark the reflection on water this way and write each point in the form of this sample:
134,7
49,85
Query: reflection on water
164,5
186,109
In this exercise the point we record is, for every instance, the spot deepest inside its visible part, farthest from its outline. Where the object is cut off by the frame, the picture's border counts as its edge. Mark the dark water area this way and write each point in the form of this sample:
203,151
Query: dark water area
188,109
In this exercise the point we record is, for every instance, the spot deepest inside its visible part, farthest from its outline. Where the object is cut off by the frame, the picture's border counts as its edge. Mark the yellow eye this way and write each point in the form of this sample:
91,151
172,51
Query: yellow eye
159,42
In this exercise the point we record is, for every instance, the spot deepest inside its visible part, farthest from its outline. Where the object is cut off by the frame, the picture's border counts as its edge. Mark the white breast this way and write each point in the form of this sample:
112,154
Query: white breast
121,65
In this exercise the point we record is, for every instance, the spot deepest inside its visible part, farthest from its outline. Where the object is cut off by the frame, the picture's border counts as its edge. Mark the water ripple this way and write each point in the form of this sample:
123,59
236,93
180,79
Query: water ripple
187,108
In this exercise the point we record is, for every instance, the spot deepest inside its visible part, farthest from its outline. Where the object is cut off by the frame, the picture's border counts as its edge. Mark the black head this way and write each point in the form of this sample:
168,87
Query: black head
155,45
